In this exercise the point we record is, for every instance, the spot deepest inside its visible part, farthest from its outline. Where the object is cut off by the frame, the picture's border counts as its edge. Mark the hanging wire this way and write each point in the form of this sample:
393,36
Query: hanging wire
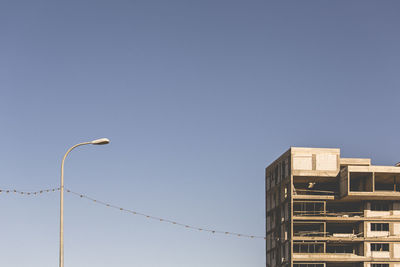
163,219
29,193
109,205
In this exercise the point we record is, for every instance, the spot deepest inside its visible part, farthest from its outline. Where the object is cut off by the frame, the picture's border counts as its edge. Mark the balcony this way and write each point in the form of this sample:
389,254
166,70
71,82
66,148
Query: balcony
314,188
308,247
328,252
370,182
311,208
387,182
330,231
349,230
345,210
350,249
329,264
309,229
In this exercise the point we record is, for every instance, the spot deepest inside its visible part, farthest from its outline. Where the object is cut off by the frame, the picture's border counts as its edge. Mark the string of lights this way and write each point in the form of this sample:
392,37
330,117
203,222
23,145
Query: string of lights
109,205
163,219
29,193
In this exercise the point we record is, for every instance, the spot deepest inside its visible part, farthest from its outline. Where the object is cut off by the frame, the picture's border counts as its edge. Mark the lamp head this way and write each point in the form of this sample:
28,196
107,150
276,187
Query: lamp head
101,141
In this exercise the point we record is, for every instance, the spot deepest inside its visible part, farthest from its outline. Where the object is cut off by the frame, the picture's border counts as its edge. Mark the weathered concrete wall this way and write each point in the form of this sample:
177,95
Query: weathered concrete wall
318,162
373,213
302,161
380,254
326,162
396,209
315,159
394,229
396,250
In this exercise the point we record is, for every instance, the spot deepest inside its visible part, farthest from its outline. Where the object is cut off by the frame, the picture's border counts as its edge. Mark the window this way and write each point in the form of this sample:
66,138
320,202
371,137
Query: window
380,265
340,249
379,227
380,206
308,248
272,180
308,208
268,181
309,265
379,247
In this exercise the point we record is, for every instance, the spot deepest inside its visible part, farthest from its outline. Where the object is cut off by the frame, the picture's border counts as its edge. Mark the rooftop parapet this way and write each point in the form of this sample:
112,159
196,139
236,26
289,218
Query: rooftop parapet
355,162
315,161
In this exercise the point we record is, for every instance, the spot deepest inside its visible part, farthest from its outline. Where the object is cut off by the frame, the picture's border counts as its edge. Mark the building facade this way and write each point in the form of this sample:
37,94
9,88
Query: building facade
326,211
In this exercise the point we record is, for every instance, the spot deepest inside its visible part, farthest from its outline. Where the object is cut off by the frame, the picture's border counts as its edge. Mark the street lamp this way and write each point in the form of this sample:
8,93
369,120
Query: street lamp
101,141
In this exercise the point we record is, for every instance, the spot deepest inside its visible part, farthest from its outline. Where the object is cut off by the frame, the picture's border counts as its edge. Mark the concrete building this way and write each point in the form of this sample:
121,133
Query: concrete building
326,211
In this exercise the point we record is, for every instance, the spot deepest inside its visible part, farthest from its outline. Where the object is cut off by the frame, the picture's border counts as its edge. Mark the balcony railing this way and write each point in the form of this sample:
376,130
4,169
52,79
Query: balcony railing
327,234
344,214
298,191
309,233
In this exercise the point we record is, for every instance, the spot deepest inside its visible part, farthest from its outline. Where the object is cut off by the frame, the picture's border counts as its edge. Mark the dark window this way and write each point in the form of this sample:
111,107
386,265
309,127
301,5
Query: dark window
308,265
308,208
379,227
308,248
339,249
380,206
379,247
380,265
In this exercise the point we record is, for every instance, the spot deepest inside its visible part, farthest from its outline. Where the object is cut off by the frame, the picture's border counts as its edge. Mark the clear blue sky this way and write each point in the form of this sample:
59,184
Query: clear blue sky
197,97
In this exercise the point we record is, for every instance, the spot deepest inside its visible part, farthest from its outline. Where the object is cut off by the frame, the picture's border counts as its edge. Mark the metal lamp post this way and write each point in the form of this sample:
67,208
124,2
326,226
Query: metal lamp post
101,141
